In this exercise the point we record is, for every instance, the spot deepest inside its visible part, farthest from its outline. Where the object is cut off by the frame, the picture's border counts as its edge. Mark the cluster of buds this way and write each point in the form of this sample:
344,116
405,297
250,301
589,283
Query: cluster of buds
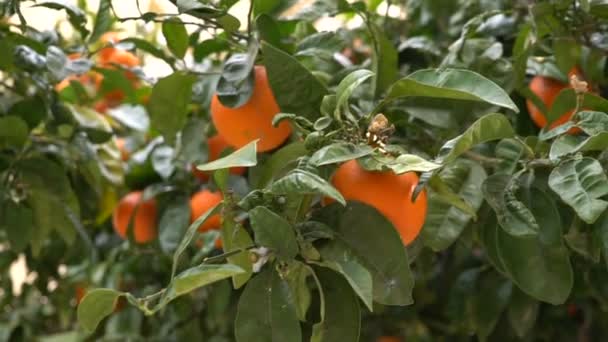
579,86
379,131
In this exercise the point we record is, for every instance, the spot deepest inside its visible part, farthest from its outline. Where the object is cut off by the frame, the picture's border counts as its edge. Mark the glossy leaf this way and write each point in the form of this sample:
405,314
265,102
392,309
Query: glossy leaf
103,20
305,183
339,152
444,223
176,36
296,277
568,144
235,85
538,264
342,320
454,84
346,88
235,238
279,162
338,257
266,311
487,128
412,163
513,215
385,60
295,88
581,184
173,223
168,106
199,276
375,241
95,306
243,157
274,232
566,101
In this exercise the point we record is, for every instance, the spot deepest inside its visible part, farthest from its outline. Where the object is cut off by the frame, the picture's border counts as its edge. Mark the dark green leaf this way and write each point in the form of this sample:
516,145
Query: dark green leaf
492,297
339,152
279,162
150,48
581,184
566,102
168,106
346,88
342,320
294,87
173,223
243,157
452,84
266,311
103,20
444,223
95,306
18,223
567,53
374,240
199,276
296,277
384,60
522,312
234,238
176,36
568,144
487,128
13,131
273,231
305,183
337,256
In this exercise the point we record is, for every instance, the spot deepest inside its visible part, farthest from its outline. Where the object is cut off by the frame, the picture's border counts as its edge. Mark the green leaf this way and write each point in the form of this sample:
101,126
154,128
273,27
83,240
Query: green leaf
168,106
567,53
294,87
451,84
513,215
95,306
199,276
569,144
522,312
103,20
229,23
96,126
376,242
385,60
583,242
132,116
176,36
235,86
296,276
18,223
51,198
13,131
342,317
243,157
173,223
581,183
337,256
493,294
412,163
538,264
305,183
339,152
346,88
487,128
280,161
509,151
187,239
273,231
234,238
268,29
566,102
444,222
591,122
600,232
444,193
150,48
266,311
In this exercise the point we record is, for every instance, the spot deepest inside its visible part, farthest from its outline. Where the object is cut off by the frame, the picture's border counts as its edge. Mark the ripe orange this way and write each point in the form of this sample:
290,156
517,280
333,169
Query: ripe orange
121,57
386,191
216,145
107,38
388,339
144,222
200,203
547,90
253,120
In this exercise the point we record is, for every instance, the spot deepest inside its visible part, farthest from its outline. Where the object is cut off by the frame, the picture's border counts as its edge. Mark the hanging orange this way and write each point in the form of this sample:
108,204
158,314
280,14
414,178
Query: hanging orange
389,193
253,120
200,203
144,222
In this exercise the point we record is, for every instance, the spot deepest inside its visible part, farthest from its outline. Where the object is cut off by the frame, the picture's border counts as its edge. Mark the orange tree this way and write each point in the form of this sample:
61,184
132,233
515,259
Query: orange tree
380,182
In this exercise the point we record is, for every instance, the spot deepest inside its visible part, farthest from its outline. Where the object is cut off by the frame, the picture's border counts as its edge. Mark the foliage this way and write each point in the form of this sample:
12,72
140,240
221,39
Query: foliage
515,242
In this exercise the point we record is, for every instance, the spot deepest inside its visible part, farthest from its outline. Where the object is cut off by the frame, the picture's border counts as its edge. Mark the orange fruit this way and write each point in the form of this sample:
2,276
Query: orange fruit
388,339
107,38
216,145
124,153
80,292
253,120
547,89
144,222
200,203
101,106
122,57
389,193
